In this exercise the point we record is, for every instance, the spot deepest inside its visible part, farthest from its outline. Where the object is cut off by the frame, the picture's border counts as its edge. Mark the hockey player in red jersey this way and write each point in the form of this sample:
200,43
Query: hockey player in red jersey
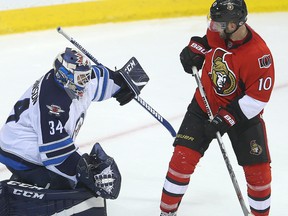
238,78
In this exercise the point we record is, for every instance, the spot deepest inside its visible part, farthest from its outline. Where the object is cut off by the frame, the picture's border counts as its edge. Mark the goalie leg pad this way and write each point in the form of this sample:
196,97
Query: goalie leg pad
42,177
17,198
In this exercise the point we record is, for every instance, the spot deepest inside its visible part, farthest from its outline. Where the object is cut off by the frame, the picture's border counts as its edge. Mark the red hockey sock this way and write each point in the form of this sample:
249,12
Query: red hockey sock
258,179
181,166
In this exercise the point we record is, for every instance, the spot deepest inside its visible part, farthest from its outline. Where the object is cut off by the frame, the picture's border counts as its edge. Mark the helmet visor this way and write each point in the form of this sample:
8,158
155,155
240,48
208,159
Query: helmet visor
215,26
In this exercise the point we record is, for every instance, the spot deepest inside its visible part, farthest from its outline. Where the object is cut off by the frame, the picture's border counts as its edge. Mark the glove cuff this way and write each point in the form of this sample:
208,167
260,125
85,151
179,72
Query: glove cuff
235,108
199,45
227,117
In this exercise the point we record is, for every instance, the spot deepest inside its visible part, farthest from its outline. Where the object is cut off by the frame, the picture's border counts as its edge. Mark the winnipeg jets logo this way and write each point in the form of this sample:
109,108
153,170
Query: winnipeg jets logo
55,110
81,60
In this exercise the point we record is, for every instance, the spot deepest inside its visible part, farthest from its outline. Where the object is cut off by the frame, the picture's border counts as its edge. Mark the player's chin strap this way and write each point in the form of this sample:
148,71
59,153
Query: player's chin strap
134,84
221,144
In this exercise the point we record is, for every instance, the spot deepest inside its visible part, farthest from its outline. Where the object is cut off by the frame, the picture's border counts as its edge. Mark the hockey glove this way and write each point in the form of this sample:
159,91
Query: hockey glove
124,95
134,79
222,121
99,173
194,53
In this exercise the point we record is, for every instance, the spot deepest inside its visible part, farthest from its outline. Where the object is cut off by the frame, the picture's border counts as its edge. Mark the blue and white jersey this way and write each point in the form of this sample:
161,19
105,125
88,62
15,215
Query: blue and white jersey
42,126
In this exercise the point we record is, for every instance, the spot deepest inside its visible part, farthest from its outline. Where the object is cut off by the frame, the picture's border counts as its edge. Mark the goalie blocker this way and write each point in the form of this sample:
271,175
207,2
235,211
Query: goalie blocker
136,78
18,198
134,75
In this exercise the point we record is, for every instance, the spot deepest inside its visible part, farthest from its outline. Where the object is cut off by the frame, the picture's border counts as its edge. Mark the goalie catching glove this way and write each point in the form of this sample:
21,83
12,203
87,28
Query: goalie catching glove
99,173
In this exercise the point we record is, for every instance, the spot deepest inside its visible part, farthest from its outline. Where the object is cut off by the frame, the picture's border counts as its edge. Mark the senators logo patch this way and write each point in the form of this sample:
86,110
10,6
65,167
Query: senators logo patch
265,61
256,149
223,78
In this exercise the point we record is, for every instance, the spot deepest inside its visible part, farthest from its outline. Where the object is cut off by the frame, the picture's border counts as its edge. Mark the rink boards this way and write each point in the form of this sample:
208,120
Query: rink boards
33,16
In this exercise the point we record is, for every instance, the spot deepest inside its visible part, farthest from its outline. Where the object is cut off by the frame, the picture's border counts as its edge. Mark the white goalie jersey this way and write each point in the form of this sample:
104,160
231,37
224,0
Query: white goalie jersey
41,128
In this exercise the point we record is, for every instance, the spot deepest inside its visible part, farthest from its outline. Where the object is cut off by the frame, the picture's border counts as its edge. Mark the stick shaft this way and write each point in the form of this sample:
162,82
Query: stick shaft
76,44
144,104
221,144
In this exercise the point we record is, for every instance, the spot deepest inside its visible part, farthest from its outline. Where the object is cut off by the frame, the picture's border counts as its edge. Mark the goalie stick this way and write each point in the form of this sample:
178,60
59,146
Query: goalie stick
221,144
144,104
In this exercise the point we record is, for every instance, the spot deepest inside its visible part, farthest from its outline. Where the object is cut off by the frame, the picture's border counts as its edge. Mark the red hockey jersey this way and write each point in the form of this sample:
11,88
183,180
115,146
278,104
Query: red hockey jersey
232,70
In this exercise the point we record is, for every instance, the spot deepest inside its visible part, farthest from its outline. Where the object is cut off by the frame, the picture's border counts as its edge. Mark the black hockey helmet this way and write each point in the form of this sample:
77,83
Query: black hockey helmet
229,11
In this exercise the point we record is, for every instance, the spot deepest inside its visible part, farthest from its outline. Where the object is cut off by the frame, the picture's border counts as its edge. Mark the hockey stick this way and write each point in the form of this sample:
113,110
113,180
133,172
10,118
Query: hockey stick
145,105
221,144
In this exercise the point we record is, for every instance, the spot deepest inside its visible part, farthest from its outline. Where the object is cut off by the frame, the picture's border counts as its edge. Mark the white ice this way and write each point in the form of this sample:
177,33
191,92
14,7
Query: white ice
141,146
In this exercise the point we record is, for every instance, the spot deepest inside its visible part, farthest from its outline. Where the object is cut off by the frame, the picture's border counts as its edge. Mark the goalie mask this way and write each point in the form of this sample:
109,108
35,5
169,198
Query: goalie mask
72,71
